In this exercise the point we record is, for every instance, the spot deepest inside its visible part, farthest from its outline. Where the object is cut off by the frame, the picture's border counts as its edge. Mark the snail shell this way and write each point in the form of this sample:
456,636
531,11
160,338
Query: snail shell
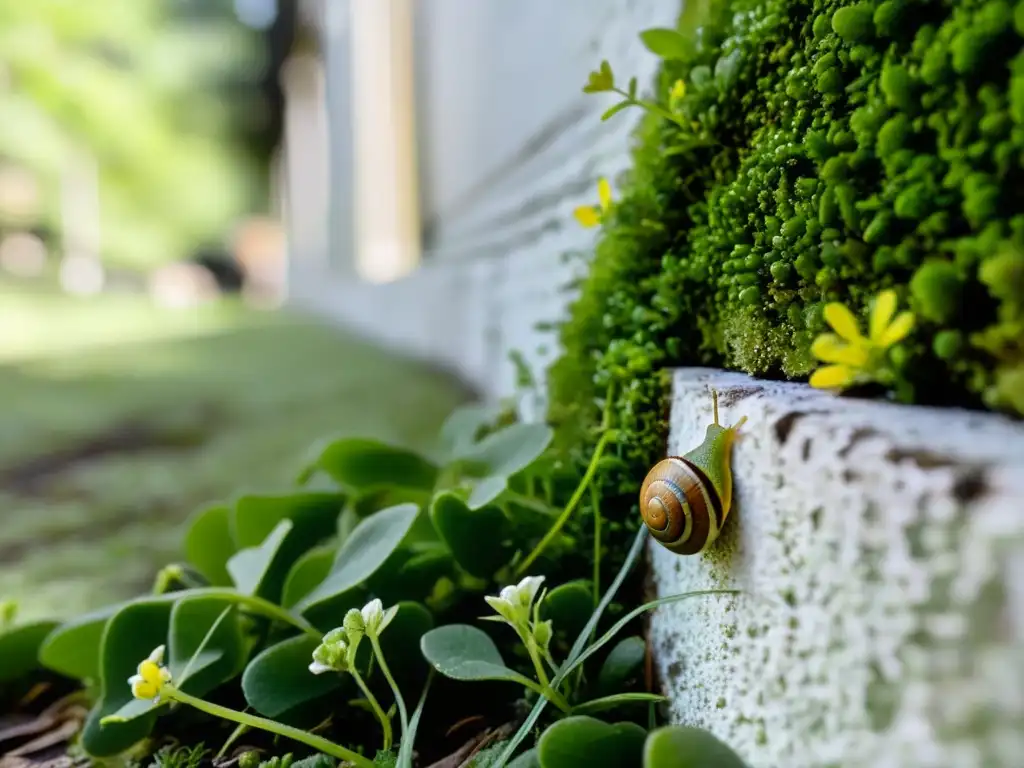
680,506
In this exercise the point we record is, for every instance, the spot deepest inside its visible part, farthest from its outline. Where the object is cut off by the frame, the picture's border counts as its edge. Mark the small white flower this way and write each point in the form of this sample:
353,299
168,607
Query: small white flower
151,677
375,619
513,602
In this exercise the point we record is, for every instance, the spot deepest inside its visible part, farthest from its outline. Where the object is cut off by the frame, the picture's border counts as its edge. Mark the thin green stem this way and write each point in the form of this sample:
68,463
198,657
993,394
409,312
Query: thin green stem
385,721
304,737
595,503
574,501
269,610
545,682
403,715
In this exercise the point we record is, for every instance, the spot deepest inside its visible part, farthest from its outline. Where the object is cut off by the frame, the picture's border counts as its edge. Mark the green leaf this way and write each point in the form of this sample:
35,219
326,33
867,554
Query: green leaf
477,538
581,740
360,463
278,679
19,648
370,544
666,43
210,627
129,637
632,88
463,652
616,700
405,751
487,490
209,544
459,431
308,571
249,567
314,519
622,663
614,110
681,746
569,606
507,451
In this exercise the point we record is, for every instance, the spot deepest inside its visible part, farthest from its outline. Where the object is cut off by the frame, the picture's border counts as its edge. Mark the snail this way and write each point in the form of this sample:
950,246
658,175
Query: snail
684,500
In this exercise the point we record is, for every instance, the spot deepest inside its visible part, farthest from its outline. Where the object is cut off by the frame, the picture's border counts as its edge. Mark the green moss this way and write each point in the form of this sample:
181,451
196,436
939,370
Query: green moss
850,144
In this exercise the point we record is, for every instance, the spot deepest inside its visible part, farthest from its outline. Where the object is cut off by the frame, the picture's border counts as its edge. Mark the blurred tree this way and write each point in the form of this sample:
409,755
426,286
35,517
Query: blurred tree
163,94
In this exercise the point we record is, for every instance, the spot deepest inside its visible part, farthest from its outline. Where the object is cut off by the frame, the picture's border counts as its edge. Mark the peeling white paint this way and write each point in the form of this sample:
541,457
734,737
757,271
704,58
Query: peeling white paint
880,552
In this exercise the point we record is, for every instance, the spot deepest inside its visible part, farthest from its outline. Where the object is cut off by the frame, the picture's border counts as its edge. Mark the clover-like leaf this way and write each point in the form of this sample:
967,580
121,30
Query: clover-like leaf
621,664
278,679
370,544
249,567
581,740
681,746
569,606
19,648
666,43
209,543
129,637
360,463
477,538
463,652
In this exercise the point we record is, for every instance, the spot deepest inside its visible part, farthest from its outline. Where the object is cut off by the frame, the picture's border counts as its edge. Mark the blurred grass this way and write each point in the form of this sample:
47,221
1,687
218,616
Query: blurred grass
232,398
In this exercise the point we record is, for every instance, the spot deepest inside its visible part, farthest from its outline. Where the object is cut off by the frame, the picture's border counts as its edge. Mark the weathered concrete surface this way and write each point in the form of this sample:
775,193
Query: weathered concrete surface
880,550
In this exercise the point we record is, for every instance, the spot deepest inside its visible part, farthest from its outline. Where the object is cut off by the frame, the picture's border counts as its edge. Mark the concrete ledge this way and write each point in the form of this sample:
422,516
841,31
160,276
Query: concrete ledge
880,550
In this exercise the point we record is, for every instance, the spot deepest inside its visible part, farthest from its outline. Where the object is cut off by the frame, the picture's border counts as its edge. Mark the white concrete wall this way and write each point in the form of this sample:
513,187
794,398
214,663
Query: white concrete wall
509,146
880,554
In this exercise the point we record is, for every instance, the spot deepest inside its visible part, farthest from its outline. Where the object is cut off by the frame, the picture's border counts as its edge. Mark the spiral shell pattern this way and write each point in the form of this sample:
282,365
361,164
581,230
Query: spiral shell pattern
680,506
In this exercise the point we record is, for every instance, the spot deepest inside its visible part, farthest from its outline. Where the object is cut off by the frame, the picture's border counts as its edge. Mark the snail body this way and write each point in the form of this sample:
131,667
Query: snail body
685,500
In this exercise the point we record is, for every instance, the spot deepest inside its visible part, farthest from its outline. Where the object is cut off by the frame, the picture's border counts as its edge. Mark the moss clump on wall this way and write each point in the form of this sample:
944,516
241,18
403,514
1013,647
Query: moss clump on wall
843,148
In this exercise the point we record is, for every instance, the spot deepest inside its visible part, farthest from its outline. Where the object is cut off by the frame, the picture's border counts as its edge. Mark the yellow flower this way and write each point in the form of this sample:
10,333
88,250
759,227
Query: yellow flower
152,676
853,356
590,215
676,95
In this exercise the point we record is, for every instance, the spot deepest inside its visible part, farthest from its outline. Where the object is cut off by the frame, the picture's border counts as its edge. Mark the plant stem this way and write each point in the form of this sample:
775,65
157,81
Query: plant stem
304,737
567,512
402,714
545,683
595,502
269,610
385,721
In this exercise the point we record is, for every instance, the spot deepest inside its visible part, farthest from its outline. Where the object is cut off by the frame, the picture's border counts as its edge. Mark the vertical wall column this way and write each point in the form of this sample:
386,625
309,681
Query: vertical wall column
385,185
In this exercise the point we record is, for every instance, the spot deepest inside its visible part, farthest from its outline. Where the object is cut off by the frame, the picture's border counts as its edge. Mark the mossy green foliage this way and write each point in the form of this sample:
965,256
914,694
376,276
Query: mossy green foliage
839,148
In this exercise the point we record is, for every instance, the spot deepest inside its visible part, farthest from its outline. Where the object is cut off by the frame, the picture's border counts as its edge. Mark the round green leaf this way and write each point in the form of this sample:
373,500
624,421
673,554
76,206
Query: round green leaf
569,606
486,490
19,648
370,544
209,544
129,637
681,746
529,759
308,571
477,538
359,463
408,575
509,450
582,740
463,652
278,679
624,661
666,43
